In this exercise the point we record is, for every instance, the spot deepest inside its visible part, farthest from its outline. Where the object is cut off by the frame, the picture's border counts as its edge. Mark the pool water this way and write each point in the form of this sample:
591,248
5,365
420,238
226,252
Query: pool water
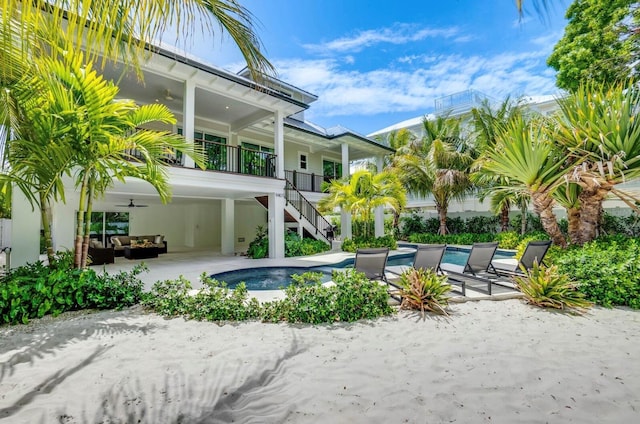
274,278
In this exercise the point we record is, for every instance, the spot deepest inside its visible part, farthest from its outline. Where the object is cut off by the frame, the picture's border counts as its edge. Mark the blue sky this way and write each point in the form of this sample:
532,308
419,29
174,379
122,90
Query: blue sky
375,63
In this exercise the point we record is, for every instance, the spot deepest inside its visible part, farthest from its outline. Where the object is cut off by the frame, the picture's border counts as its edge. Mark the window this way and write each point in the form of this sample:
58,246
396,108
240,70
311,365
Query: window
107,224
303,161
331,170
214,148
257,160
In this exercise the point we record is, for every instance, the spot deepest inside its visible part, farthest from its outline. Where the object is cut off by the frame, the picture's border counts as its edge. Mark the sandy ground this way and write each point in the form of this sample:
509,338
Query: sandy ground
498,362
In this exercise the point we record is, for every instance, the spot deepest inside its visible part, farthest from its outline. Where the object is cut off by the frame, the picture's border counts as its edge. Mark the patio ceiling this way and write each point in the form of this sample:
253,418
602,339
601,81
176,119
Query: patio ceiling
216,98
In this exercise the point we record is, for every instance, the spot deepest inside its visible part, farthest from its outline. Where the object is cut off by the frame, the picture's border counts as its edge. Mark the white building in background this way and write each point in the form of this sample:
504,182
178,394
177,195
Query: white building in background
265,165
460,105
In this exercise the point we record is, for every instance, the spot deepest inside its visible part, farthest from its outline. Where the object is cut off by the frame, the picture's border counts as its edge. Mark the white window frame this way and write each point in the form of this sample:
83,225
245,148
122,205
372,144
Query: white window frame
306,161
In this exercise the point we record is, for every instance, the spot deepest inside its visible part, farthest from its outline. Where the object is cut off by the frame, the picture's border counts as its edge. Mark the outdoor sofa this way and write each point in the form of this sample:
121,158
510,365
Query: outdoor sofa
120,242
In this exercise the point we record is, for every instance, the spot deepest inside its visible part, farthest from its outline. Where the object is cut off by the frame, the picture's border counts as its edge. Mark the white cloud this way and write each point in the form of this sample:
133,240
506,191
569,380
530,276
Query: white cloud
397,34
409,89
349,60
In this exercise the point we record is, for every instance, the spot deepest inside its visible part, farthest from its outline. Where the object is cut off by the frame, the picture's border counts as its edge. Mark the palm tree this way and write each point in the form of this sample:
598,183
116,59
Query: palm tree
363,193
105,30
525,156
123,29
487,124
80,125
598,126
438,164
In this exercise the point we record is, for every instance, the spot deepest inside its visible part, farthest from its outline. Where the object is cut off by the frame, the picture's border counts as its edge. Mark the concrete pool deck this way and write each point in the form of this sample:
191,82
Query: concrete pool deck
192,263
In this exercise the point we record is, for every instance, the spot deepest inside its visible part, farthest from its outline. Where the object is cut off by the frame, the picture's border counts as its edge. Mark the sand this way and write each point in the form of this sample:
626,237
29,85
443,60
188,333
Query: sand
497,362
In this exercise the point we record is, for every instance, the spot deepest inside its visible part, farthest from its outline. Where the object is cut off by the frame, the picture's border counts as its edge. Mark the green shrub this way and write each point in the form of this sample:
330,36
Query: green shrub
35,290
461,239
412,224
607,270
358,298
214,302
548,288
508,239
353,297
351,245
481,224
295,246
455,225
259,247
169,298
114,291
533,223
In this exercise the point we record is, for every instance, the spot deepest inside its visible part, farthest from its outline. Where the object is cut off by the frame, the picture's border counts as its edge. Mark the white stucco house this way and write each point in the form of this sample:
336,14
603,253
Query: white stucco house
265,165
459,105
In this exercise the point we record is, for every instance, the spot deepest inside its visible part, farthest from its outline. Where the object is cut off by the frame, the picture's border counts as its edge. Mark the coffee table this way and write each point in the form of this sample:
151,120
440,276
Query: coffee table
140,252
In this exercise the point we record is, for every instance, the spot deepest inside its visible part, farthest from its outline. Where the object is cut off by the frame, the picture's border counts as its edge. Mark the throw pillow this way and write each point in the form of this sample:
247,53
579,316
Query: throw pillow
158,240
98,245
116,241
93,243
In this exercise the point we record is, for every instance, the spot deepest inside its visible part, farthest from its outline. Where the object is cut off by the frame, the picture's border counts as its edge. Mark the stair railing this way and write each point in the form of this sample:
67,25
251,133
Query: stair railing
308,211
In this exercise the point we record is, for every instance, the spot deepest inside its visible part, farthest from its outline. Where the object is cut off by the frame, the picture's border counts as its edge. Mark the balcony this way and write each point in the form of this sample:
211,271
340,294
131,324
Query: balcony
221,157
307,182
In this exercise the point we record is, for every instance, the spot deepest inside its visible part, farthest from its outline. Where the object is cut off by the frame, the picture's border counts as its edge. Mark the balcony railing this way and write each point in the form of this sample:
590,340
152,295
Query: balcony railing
306,182
237,160
224,158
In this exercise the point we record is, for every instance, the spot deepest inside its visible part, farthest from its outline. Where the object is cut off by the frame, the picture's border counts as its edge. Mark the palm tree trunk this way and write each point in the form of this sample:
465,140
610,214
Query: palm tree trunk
542,205
442,215
504,218
46,225
573,216
396,224
591,199
77,259
87,227
523,222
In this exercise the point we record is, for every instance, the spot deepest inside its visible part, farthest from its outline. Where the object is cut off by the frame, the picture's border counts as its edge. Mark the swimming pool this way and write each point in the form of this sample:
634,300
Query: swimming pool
274,278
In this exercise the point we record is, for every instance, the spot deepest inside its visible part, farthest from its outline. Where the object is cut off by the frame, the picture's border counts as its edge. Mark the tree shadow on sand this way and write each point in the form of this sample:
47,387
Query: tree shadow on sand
32,343
188,400
49,384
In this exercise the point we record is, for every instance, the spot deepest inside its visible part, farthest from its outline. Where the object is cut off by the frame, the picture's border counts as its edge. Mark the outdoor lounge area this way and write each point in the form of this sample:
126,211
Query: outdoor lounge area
192,263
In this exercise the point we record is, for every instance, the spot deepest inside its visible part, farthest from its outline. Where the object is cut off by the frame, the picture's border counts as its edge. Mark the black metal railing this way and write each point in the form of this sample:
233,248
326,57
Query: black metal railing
224,158
322,227
307,182
237,160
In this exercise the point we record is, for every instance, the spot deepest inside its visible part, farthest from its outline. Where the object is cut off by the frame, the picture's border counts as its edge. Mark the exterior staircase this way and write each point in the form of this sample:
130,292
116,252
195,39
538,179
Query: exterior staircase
299,209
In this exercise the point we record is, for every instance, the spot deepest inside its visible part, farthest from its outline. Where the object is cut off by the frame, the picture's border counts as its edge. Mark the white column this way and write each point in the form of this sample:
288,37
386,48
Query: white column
379,212
25,230
278,142
276,225
345,217
300,229
189,117
227,241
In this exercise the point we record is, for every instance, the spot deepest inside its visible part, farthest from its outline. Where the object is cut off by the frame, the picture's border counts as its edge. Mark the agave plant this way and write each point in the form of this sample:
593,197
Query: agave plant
425,290
547,288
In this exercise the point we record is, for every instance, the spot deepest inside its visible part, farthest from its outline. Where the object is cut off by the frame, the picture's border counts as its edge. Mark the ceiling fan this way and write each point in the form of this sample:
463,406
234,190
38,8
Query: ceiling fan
167,94
131,205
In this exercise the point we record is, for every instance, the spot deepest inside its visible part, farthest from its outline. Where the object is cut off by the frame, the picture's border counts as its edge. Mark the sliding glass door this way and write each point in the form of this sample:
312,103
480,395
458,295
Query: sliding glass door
107,224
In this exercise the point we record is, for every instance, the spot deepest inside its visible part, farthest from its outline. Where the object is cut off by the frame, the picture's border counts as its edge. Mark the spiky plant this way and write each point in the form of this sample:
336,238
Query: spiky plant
547,288
425,290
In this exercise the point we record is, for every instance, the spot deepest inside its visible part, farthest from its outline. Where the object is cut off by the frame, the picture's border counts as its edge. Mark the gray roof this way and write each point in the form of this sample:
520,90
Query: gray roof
332,133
